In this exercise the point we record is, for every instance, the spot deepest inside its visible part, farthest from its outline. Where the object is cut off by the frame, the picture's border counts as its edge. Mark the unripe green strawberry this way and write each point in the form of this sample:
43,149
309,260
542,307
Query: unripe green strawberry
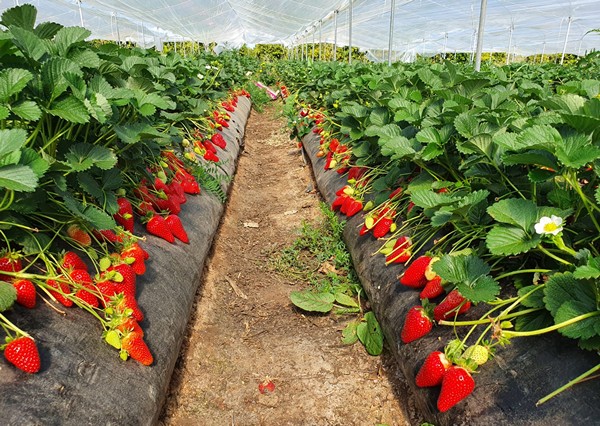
477,353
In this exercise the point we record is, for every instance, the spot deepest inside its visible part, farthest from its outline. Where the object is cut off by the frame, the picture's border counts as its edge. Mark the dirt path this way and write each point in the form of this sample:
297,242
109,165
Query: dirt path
245,329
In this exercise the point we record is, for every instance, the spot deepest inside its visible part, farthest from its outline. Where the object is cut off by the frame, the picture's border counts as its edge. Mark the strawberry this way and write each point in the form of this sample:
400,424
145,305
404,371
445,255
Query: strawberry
10,262
124,215
71,260
266,386
81,277
107,289
363,231
136,253
456,386
107,235
354,208
210,156
133,345
416,324
126,284
176,228
176,190
129,302
448,307
26,295
157,226
23,353
414,275
210,147
432,289
401,251
62,289
382,227
433,369
129,324
479,354
87,297
76,233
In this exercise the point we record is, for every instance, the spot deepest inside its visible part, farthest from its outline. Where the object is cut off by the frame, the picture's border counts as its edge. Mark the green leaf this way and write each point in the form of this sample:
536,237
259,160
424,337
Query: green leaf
54,73
506,240
135,132
18,178
397,147
441,217
70,109
344,299
515,211
564,287
27,110
32,159
534,321
535,299
312,302
99,107
12,81
23,16
470,275
466,125
83,156
591,270
96,217
577,151
47,30
370,334
539,136
68,36
8,295
355,110
31,45
4,112
583,329
379,117
11,140
429,199
349,334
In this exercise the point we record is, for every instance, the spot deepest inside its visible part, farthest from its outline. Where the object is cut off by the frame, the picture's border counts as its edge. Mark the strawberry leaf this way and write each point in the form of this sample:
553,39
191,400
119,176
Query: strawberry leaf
509,240
18,178
591,270
370,334
564,287
8,295
12,81
584,329
577,151
470,275
83,156
515,211
313,302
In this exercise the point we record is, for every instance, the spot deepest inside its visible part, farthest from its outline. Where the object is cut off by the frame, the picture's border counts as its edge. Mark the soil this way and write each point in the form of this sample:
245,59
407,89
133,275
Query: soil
245,331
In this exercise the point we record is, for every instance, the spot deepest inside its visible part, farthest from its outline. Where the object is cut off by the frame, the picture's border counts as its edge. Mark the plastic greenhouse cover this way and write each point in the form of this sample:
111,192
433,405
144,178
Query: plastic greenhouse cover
420,26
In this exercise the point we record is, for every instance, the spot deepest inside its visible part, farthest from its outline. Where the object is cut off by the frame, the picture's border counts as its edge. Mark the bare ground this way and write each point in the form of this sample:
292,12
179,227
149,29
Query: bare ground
245,330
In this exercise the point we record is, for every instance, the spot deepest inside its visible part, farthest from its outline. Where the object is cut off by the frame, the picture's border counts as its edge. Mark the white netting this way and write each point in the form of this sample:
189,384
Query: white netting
421,26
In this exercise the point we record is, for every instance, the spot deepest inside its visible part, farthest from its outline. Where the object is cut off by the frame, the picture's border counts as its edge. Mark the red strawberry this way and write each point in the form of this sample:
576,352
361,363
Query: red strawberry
133,344
401,251
176,190
71,260
157,226
10,262
218,140
137,254
107,289
87,297
107,235
124,216
266,386
129,324
23,354
363,231
80,276
144,208
432,289
210,156
382,227
210,147
26,295
456,386
126,285
76,233
447,308
354,208
60,297
416,324
414,275
433,369
176,228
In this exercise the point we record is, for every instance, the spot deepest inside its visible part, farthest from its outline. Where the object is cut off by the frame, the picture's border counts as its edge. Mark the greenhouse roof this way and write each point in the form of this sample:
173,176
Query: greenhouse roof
420,26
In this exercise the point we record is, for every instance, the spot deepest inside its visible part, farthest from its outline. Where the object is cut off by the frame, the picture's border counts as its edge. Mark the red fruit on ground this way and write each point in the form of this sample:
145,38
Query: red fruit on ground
416,324
433,370
401,252
448,307
432,289
456,386
10,262
129,325
71,260
266,386
414,275
355,207
157,226
136,348
87,297
81,276
124,216
79,235
23,354
176,228
127,285
382,227
64,288
137,254
26,295
218,140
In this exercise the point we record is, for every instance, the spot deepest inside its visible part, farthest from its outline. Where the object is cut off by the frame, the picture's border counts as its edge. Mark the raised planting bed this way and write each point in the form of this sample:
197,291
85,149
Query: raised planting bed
82,381
507,387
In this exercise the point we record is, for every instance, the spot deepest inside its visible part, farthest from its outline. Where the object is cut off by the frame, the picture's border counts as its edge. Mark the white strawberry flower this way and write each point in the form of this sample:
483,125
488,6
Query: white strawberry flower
549,225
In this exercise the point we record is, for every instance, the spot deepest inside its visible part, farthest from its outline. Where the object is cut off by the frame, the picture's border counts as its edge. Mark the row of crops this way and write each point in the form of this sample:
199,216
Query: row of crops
94,137
484,185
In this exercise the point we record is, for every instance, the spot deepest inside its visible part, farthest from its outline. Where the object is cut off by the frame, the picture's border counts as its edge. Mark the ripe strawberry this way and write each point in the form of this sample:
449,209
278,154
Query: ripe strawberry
176,228
218,140
447,308
71,260
416,324
354,208
144,208
136,253
210,147
126,285
10,262
401,251
129,324
433,369
124,216
76,233
26,295
107,235
129,302
87,297
414,275
382,227
363,231
81,277
23,353
157,226
176,190
133,345
456,386
62,289
210,156
432,289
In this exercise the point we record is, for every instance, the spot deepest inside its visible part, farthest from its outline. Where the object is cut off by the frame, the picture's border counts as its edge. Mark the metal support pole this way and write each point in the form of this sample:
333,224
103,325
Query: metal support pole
482,12
335,25
562,58
117,26
143,36
350,32
313,46
543,51
391,36
80,13
320,40
445,45
511,29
